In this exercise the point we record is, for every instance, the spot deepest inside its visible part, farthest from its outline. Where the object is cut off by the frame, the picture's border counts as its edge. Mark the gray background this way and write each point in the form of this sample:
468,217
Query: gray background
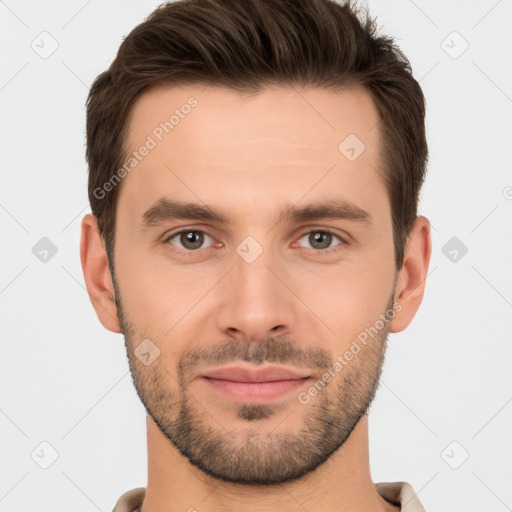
442,419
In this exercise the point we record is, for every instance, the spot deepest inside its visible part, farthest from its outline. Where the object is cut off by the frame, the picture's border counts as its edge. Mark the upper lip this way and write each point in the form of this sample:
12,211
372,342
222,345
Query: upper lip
240,373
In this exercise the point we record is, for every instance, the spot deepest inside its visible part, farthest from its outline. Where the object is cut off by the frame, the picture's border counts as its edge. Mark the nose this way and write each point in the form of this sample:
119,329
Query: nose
254,300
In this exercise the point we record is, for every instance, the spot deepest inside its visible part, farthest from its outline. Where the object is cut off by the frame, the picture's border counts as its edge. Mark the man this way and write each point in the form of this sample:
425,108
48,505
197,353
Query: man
255,169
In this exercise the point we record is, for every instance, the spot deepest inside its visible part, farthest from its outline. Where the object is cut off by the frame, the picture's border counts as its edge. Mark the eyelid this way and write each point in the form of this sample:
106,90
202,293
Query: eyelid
167,237
335,248
344,239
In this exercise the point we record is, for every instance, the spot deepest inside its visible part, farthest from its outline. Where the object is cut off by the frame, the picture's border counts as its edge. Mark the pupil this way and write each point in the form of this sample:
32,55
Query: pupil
322,238
188,240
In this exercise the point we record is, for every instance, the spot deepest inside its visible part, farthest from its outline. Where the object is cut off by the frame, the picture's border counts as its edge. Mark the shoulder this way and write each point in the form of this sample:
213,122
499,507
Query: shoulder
130,501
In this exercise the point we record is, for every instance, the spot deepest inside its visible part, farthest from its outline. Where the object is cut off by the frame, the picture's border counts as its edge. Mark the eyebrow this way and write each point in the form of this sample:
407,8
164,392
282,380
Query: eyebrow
165,210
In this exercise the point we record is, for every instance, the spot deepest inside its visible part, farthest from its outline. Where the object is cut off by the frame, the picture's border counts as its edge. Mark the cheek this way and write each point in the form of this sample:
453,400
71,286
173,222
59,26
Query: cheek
348,296
156,294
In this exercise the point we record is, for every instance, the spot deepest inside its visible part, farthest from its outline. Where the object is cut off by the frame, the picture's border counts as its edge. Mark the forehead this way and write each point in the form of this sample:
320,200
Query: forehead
322,116
281,142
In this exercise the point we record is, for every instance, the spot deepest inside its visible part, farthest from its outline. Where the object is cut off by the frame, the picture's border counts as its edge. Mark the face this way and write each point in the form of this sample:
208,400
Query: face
253,233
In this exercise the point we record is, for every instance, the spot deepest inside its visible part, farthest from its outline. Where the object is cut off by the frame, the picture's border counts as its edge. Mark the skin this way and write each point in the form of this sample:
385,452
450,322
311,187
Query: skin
252,157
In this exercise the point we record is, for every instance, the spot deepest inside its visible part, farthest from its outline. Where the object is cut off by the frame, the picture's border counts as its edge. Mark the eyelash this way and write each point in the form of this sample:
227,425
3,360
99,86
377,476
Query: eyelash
316,251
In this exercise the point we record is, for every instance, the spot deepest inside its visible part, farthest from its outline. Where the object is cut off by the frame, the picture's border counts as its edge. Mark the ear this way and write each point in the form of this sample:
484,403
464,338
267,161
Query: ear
97,273
411,281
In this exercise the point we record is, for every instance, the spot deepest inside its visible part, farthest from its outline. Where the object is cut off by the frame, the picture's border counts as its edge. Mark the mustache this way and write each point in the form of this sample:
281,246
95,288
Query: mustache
272,350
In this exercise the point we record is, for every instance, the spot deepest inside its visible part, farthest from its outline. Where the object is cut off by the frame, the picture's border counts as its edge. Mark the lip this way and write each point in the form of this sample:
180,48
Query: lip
238,373
254,392
261,385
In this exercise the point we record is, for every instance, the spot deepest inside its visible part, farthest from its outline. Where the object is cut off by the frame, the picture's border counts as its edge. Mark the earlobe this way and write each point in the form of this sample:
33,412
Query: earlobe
98,279
412,278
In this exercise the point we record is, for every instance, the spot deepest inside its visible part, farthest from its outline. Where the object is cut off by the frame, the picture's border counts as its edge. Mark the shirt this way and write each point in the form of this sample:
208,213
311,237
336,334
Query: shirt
398,493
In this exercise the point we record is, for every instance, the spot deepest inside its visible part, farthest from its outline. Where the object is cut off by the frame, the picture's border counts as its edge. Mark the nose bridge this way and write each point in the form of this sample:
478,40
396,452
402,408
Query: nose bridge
254,299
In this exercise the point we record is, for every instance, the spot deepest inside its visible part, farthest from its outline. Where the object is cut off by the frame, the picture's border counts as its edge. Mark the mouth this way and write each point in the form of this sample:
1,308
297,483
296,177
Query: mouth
244,384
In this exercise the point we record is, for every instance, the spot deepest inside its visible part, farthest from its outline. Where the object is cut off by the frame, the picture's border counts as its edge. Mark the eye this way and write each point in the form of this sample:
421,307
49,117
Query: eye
190,239
321,240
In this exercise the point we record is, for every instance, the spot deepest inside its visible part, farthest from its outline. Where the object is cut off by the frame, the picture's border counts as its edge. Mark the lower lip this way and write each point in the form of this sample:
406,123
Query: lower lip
255,392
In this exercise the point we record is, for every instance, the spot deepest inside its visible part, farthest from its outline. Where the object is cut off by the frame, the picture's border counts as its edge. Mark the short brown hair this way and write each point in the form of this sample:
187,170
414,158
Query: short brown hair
246,45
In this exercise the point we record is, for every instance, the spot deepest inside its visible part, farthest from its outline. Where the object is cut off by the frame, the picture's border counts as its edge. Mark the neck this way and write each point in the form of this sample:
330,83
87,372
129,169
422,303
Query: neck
342,483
